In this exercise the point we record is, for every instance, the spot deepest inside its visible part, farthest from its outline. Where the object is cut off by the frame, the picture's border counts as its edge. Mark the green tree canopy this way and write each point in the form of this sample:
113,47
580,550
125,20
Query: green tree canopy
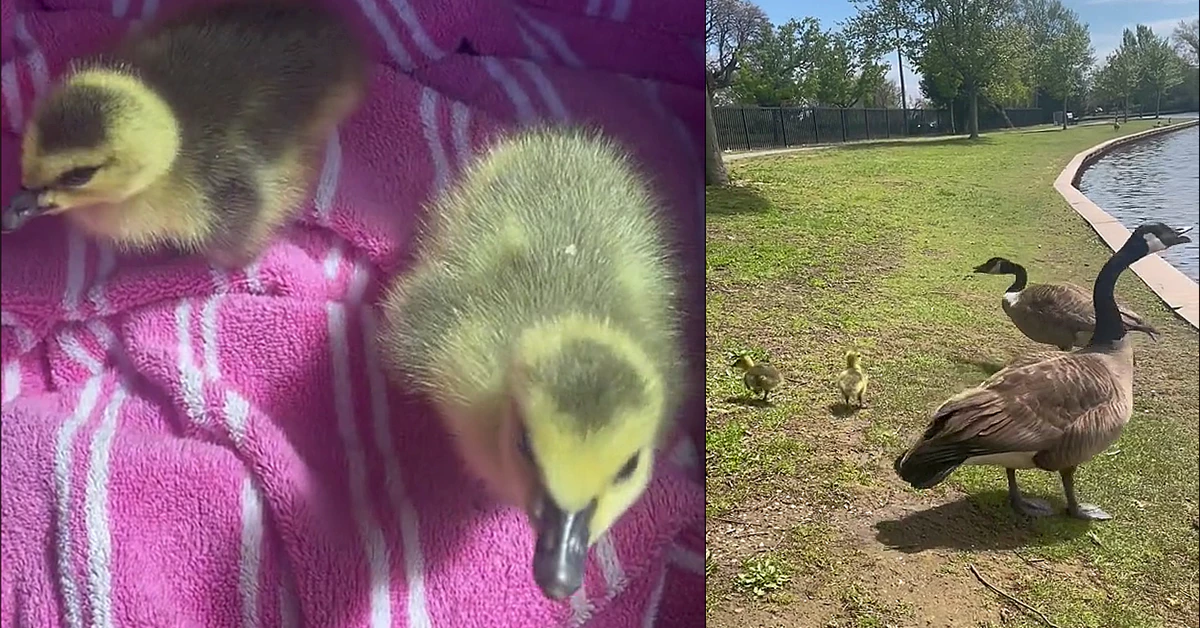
777,67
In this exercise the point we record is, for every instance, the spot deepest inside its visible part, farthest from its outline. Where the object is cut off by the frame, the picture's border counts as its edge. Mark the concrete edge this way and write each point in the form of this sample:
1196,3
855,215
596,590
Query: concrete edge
1175,289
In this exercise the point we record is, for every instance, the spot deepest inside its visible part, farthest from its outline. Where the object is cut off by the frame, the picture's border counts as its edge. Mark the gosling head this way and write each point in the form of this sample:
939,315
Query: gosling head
99,138
743,361
586,410
1153,237
996,266
853,359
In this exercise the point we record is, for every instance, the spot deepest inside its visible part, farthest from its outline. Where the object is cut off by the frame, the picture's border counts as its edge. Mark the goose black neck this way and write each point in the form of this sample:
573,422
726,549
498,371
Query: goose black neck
1109,326
1019,278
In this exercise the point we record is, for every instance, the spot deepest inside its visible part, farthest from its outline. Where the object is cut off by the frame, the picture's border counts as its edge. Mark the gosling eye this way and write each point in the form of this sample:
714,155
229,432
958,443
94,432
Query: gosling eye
76,177
523,444
627,470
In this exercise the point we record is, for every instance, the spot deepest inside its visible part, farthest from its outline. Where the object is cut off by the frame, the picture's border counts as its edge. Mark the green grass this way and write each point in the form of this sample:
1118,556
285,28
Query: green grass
813,253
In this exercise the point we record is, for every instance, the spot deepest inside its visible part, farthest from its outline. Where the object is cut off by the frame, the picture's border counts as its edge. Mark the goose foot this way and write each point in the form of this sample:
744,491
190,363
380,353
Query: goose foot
1031,507
1027,506
1088,512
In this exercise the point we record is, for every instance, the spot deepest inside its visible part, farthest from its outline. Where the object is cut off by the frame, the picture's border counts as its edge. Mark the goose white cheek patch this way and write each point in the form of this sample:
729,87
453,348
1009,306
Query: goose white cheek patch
1153,242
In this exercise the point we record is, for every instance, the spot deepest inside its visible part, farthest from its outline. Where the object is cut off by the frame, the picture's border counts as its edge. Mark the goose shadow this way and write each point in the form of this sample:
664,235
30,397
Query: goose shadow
980,522
841,410
752,402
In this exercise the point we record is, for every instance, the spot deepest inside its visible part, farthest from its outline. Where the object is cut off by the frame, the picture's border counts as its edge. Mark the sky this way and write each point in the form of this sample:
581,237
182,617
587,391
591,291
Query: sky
1106,19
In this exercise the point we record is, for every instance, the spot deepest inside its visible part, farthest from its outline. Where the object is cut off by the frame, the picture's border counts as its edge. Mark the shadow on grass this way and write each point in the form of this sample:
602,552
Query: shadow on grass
733,199
753,402
843,410
979,522
983,365
951,141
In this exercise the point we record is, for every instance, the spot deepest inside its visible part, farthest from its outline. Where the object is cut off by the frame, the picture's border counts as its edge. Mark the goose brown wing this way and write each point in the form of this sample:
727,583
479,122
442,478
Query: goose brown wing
1024,408
1060,304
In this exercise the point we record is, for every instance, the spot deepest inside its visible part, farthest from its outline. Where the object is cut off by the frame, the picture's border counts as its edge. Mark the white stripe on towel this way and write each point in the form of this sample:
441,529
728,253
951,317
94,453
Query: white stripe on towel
545,88
409,17
375,549
686,559
460,123
410,535
372,12
327,183
516,94
251,553
610,566
620,11
651,616
64,442
191,379
429,124
12,381
535,49
552,37
10,84
37,61
96,513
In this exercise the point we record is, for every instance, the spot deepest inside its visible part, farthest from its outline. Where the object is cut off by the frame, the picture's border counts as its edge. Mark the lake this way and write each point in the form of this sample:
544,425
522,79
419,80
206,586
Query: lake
1153,179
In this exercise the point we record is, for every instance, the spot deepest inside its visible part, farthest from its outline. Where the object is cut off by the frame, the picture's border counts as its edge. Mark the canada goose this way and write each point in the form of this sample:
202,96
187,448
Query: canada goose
759,379
1052,415
200,133
1058,314
852,382
540,318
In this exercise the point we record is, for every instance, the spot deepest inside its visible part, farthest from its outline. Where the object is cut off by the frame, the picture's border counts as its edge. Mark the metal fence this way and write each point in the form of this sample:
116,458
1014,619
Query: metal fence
749,128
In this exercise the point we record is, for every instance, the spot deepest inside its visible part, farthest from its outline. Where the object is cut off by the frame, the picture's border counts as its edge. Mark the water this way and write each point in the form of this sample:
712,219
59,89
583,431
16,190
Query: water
1153,179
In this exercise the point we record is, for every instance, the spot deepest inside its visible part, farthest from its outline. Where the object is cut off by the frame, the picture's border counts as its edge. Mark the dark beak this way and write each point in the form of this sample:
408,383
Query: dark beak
23,207
982,268
561,551
1178,237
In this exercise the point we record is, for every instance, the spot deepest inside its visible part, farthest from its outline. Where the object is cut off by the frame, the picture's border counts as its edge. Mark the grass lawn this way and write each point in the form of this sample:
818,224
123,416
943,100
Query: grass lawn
814,253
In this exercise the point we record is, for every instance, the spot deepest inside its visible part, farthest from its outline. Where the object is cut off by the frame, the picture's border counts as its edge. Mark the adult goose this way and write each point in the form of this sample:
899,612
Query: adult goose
1058,314
1053,414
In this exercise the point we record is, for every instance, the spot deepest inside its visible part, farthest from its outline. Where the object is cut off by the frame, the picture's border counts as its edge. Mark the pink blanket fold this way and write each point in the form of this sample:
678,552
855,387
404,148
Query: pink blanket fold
189,447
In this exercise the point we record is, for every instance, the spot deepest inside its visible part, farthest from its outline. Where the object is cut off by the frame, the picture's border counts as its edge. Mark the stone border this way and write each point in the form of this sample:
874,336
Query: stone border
1170,284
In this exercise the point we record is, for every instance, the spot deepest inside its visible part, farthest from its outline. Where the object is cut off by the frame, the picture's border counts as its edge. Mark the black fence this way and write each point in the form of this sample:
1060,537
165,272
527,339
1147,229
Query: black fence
752,128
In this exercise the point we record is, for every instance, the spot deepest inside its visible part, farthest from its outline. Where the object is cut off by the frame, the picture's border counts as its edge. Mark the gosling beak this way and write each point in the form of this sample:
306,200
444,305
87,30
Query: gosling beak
23,207
561,551
1178,237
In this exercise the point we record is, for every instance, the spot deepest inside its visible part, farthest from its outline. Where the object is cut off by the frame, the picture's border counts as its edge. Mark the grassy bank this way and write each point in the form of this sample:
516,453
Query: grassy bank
814,253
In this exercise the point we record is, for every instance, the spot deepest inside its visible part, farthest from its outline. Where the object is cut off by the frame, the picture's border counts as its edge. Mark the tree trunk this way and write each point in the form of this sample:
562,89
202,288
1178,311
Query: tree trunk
714,165
1125,113
973,113
1157,102
1064,113
903,94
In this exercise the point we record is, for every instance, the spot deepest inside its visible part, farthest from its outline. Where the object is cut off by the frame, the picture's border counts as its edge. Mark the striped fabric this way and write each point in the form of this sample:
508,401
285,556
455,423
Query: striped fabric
189,447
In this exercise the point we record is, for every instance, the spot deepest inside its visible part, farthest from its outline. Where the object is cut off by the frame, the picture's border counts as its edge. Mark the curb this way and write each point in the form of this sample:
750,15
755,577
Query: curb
1179,292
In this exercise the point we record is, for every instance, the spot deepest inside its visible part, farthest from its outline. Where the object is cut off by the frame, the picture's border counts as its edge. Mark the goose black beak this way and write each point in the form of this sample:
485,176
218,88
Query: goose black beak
560,555
1178,237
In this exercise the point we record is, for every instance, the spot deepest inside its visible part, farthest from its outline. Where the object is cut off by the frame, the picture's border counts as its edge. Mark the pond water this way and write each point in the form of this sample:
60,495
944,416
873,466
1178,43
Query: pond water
1153,179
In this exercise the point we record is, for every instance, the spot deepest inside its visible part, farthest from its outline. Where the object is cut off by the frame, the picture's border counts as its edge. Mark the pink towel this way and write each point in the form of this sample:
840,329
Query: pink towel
188,447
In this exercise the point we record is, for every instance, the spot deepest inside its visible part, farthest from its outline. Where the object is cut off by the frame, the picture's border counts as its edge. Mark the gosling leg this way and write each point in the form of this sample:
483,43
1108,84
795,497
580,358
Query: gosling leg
1025,505
1087,512
861,403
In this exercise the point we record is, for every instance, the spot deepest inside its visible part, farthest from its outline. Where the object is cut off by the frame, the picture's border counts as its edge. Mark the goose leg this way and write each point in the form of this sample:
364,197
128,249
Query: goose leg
1087,512
1025,505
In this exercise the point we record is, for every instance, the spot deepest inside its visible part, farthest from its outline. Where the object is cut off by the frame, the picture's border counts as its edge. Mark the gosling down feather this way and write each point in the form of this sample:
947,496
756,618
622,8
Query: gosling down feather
852,382
759,379
1053,414
540,318
1058,314
199,134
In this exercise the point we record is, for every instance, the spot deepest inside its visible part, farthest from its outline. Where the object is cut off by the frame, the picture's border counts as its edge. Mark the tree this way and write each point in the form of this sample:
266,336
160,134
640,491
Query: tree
729,27
776,68
1060,47
1187,40
886,95
1118,78
1158,66
886,25
979,41
846,69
